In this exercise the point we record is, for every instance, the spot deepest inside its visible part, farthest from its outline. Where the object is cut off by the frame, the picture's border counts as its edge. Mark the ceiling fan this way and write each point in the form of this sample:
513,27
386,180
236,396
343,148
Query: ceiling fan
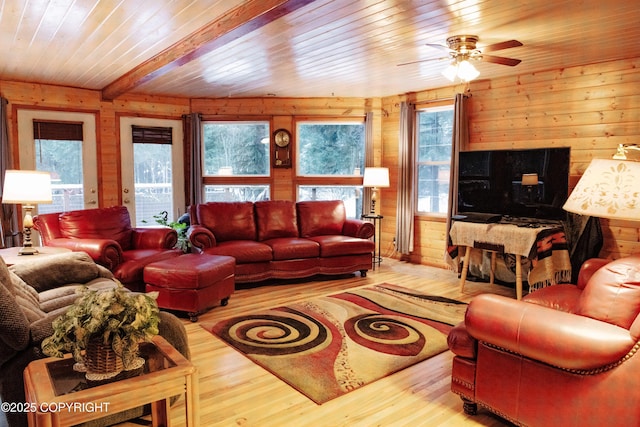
462,48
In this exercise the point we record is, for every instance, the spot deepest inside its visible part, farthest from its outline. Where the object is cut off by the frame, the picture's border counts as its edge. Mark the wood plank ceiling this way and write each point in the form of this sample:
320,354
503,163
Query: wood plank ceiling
295,48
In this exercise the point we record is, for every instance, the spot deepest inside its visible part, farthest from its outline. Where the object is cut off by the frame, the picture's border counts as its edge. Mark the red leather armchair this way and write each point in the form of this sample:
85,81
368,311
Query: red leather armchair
563,356
107,236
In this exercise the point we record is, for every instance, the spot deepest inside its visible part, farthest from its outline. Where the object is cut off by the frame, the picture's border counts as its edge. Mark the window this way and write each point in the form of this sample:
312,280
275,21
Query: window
152,171
236,161
330,149
434,130
58,150
331,161
236,148
235,193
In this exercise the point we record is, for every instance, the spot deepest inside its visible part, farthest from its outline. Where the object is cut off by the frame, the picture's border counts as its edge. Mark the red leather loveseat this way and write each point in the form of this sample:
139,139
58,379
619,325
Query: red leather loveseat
107,236
282,239
565,355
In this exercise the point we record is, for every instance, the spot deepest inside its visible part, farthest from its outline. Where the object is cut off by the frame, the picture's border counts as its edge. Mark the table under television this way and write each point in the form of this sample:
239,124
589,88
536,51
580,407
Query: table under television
518,236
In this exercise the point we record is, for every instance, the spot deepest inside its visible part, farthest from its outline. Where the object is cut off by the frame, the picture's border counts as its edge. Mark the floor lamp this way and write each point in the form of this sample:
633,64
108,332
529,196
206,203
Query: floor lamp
607,189
27,188
375,178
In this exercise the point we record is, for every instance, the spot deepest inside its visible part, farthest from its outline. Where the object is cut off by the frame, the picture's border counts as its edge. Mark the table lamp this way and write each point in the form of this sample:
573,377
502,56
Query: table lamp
529,180
27,188
375,178
607,189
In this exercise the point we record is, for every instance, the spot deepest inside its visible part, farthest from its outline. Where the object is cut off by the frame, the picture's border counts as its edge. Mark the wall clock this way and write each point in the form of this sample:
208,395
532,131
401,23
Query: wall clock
282,148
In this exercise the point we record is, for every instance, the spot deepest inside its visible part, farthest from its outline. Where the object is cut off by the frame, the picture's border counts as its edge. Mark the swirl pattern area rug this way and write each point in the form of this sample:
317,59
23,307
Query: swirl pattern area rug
328,346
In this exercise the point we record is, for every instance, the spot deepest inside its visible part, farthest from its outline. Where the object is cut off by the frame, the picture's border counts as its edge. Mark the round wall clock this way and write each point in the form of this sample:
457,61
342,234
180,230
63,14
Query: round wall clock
282,137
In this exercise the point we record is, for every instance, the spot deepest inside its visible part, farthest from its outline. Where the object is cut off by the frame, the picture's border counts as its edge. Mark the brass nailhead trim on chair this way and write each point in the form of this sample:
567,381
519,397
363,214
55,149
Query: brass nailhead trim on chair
594,371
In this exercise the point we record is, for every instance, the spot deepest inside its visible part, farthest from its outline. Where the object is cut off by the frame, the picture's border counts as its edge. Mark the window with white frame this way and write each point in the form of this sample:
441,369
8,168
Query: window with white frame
330,162
433,131
235,148
236,161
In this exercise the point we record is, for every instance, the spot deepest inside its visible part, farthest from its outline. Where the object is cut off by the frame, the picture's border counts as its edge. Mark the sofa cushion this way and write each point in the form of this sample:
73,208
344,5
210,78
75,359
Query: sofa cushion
105,223
612,294
228,220
244,251
14,326
64,296
331,246
276,218
62,269
293,248
26,298
320,217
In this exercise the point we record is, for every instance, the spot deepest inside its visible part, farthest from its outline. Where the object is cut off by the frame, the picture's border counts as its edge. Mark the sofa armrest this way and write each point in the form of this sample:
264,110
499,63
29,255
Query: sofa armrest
154,238
358,228
201,238
561,297
105,252
540,333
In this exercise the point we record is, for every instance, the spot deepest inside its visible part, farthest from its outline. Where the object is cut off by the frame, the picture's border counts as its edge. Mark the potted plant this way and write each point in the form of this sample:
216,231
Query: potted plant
179,226
103,329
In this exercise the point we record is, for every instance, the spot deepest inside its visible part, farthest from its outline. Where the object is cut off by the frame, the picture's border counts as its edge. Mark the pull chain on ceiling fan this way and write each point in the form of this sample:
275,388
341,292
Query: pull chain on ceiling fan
462,49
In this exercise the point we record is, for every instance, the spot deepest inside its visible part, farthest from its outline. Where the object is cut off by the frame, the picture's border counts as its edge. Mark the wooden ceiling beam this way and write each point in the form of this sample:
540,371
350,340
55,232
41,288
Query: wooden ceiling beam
235,23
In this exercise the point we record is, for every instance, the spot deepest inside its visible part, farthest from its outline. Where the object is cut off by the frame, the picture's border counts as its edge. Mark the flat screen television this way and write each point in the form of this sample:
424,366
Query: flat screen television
530,183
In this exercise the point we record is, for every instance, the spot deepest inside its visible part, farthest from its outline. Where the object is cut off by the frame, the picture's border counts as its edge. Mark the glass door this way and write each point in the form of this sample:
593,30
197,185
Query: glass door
152,169
64,144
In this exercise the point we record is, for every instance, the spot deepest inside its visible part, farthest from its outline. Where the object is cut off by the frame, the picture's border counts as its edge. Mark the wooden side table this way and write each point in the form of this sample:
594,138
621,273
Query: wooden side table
11,256
59,396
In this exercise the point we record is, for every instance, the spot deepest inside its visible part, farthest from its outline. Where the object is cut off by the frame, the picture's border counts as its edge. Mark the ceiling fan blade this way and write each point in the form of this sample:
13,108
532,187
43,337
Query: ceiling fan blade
502,45
501,60
438,46
422,60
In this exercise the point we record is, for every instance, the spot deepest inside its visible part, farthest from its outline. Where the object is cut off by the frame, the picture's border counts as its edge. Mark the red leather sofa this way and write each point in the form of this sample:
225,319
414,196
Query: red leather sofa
563,356
282,239
107,236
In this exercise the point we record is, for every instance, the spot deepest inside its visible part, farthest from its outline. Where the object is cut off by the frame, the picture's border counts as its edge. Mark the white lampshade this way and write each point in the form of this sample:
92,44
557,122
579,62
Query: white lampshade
462,69
466,71
530,179
608,189
375,177
26,187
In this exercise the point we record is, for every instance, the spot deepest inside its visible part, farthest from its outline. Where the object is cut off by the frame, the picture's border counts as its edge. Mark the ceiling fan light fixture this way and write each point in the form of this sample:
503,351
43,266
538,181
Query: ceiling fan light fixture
450,72
461,69
466,71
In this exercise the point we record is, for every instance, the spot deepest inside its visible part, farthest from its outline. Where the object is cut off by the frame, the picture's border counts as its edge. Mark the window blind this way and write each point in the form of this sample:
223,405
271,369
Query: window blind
62,131
151,135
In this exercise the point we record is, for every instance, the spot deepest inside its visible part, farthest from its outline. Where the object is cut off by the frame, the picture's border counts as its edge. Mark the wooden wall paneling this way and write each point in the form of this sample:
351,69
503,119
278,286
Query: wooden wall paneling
590,108
34,96
282,184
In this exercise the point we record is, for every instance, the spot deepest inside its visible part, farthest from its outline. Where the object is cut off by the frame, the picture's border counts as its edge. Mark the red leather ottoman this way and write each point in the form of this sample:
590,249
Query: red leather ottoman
191,282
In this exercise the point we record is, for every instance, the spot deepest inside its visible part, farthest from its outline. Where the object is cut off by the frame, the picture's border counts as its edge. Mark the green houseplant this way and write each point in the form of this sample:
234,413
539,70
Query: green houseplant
115,319
180,227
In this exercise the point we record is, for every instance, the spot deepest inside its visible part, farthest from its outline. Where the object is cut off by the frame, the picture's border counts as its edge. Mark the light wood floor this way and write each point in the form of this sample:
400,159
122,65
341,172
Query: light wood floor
236,392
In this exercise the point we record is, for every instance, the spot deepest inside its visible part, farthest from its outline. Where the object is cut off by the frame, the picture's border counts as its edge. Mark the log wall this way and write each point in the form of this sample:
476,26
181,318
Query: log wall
592,109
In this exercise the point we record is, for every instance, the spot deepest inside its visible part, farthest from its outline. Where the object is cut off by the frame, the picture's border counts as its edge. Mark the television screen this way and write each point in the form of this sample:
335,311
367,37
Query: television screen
531,183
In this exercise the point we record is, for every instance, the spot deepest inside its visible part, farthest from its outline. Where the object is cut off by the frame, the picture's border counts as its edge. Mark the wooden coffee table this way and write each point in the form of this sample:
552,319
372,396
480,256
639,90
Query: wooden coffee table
58,396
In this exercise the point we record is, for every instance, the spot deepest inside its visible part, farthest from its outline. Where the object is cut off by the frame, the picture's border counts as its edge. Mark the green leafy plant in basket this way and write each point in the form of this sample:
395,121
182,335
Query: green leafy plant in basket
116,318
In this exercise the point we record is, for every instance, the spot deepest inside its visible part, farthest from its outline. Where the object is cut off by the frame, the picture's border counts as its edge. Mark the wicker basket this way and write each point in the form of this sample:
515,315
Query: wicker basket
101,359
